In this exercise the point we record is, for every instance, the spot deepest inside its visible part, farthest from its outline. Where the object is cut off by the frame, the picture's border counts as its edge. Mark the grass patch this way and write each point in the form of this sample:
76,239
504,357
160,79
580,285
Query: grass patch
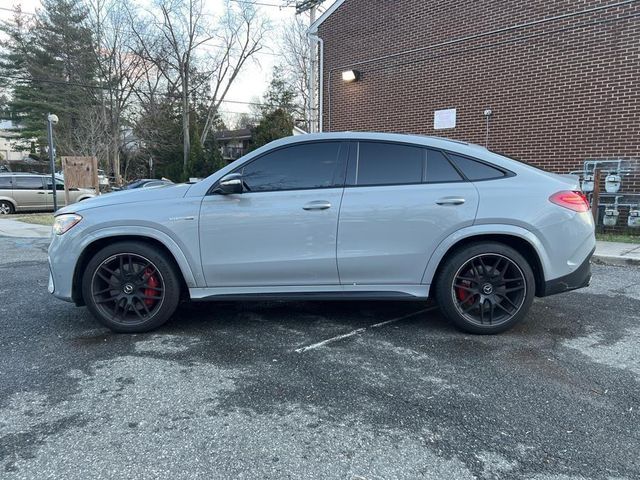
38,219
618,237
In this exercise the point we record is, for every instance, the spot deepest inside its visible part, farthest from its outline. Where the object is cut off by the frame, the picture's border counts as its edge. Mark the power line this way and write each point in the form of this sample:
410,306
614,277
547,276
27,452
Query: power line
263,4
146,35
99,87
14,11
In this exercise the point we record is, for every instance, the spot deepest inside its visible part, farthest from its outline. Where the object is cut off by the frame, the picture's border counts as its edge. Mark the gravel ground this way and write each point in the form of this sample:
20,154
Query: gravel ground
228,390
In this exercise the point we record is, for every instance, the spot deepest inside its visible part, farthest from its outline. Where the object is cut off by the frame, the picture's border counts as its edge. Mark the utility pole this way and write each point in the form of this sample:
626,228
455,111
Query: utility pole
312,7
313,123
52,119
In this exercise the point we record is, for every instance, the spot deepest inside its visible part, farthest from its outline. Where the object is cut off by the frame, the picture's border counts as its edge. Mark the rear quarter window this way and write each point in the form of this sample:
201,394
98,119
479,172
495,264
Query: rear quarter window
475,170
439,169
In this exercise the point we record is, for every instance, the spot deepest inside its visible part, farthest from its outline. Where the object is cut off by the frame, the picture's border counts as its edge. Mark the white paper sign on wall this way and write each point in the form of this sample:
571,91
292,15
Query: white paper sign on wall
444,119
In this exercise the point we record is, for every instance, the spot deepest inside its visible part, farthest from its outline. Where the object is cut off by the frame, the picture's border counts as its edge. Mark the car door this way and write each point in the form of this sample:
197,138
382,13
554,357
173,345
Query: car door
60,197
399,203
29,192
281,231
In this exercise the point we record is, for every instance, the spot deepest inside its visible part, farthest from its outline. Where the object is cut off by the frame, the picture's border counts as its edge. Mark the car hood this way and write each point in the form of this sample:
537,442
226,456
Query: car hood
128,196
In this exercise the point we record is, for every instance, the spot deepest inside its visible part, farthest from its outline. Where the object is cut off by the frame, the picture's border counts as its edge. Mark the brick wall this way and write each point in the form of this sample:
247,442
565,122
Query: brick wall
561,92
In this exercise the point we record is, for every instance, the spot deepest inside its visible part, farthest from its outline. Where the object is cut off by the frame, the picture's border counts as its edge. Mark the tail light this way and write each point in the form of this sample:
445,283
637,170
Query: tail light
576,201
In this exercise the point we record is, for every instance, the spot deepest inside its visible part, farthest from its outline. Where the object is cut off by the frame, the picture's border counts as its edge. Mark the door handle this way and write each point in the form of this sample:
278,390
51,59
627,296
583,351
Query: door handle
41,193
317,205
450,201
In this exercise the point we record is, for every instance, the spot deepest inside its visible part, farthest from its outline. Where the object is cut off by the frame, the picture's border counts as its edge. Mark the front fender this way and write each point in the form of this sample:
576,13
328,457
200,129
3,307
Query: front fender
479,230
192,279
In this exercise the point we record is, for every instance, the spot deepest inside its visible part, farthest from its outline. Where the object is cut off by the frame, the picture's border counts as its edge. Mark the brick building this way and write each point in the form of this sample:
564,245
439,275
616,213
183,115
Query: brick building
561,77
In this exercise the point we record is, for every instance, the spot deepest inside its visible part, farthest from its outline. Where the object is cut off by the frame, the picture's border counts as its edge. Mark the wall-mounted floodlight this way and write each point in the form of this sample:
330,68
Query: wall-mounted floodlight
350,76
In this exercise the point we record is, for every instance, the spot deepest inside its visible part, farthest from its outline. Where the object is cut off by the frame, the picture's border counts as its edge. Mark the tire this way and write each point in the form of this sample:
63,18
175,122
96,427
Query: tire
6,207
131,287
485,288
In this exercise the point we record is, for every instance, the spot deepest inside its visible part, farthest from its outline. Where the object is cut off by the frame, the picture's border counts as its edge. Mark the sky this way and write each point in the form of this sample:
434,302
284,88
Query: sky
255,76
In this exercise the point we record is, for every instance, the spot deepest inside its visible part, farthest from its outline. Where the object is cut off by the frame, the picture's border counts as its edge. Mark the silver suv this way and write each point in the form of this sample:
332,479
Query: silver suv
332,216
32,192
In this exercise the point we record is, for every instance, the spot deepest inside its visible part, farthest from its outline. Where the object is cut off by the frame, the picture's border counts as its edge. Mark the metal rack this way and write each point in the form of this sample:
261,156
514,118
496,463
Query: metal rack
614,170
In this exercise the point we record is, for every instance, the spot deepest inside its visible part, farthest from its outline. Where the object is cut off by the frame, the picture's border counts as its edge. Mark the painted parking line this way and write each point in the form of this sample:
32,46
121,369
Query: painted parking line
359,331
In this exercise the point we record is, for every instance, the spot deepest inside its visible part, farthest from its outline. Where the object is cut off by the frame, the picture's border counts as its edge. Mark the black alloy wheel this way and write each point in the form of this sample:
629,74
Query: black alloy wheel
485,287
489,289
131,286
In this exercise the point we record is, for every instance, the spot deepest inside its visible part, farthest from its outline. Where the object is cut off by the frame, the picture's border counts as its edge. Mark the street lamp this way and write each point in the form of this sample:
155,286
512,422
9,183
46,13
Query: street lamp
52,119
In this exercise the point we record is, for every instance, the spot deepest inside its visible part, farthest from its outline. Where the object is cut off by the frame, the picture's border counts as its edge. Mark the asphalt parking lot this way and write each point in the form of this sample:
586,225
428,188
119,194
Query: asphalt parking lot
354,390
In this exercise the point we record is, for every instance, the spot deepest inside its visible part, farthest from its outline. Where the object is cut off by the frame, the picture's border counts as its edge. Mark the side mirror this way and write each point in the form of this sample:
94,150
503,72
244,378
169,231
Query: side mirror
230,184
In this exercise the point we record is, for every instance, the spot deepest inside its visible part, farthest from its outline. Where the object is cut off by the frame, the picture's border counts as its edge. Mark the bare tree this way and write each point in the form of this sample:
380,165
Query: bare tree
90,137
242,31
295,65
180,30
120,66
193,51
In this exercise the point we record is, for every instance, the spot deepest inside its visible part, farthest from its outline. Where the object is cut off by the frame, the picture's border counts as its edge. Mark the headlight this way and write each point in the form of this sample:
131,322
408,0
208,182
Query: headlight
63,223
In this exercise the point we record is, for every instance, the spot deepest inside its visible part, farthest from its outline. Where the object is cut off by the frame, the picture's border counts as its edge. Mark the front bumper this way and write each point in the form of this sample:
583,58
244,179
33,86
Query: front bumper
579,278
61,269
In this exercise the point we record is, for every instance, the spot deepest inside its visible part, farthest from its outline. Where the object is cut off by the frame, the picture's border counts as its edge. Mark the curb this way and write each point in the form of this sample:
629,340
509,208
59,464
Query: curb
616,261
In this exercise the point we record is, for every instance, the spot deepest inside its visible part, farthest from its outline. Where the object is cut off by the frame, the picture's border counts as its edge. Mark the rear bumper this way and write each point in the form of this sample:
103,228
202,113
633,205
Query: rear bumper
579,278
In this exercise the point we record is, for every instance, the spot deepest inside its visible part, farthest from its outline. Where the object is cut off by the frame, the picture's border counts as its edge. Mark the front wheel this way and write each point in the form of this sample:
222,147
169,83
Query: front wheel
485,288
131,287
6,208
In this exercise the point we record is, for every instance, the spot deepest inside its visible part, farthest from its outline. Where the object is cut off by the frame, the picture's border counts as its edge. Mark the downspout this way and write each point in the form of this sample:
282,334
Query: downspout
312,78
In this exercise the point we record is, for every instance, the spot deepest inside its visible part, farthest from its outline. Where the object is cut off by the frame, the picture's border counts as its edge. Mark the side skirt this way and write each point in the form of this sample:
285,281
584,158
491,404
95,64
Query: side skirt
323,292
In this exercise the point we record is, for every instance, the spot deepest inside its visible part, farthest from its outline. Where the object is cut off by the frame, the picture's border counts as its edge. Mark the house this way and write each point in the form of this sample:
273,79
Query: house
8,145
235,143
554,84
550,83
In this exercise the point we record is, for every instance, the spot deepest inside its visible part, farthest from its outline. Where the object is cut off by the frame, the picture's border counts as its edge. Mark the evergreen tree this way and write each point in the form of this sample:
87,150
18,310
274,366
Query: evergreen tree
279,94
273,126
277,112
52,67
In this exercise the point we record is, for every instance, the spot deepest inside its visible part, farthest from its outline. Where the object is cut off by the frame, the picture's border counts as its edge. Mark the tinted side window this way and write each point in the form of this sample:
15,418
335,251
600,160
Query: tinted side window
311,165
28,183
5,183
59,184
388,164
474,170
439,169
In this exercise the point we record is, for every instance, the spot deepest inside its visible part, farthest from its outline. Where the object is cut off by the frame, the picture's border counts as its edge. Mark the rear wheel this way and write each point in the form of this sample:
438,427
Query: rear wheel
6,208
485,288
131,287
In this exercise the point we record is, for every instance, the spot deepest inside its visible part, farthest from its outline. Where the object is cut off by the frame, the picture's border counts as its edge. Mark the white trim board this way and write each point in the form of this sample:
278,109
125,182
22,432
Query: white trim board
313,29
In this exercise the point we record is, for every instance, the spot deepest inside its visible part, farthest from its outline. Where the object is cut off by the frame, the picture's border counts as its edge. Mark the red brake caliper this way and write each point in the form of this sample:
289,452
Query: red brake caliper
462,294
152,282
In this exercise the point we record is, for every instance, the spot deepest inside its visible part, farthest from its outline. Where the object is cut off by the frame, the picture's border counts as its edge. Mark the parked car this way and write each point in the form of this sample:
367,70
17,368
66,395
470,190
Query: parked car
103,180
333,216
146,183
31,192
